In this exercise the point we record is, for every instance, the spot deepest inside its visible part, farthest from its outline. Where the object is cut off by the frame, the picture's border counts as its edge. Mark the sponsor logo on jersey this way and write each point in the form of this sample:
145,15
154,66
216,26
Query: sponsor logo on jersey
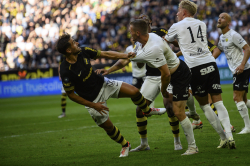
175,96
237,85
216,86
207,70
185,95
158,60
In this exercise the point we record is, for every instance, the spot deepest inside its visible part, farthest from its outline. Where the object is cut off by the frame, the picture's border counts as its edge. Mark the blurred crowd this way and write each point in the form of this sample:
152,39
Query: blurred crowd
30,28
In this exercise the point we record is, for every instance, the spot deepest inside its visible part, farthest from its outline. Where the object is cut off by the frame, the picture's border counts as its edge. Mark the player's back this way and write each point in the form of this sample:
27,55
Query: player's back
192,38
157,45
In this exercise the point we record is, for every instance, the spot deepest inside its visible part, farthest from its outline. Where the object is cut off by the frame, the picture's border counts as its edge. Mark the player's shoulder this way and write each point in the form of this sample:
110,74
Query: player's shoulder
159,31
86,49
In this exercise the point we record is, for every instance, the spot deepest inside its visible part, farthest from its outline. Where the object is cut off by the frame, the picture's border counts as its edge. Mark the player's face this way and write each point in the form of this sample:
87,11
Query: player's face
180,14
222,21
133,33
74,48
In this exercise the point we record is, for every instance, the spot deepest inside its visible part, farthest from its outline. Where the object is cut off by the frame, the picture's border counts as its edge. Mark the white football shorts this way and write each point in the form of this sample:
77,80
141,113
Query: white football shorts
110,89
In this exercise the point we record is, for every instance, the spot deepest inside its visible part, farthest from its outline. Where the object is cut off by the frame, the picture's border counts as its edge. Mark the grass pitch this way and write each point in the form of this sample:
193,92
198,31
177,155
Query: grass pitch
31,134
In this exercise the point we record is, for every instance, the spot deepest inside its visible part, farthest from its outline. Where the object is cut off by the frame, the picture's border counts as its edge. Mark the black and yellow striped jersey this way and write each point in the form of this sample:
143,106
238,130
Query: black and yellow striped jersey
80,76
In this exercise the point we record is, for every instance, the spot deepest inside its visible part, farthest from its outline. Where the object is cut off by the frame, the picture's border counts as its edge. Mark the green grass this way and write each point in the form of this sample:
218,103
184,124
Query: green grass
31,134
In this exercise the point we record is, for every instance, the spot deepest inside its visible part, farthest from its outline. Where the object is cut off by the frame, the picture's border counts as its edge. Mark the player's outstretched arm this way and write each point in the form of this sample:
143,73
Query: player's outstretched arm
97,106
178,53
113,55
118,65
240,68
216,52
165,79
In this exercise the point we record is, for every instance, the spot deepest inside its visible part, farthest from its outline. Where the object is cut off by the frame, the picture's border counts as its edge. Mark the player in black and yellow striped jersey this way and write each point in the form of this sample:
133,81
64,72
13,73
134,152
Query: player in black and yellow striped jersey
89,88
64,94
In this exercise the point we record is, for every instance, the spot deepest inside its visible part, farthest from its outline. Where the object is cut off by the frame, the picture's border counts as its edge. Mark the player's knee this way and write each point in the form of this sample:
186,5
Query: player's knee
139,112
135,92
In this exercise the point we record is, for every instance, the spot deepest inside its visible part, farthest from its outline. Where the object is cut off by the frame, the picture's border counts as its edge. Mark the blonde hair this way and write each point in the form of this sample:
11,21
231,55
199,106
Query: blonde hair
191,7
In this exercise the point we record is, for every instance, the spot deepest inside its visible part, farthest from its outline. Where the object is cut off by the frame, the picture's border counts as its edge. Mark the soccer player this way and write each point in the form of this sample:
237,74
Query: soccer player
197,124
191,36
64,94
139,74
154,51
233,45
94,90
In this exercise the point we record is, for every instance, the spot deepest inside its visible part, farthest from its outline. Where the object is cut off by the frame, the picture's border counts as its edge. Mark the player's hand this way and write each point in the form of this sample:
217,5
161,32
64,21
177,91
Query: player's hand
102,71
131,55
100,108
239,69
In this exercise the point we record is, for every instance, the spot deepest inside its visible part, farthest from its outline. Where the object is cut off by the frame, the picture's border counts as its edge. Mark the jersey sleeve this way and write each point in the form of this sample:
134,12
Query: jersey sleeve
220,45
211,47
238,40
92,53
68,85
160,31
172,34
154,58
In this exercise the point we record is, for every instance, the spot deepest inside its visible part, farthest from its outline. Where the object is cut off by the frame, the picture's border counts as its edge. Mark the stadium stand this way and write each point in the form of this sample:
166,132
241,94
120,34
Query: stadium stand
29,28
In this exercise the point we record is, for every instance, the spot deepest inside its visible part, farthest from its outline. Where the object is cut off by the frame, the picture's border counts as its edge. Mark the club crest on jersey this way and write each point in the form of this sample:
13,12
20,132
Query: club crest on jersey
226,40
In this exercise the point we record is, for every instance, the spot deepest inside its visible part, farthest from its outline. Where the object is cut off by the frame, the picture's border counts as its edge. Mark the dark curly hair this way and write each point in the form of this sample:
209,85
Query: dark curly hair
63,43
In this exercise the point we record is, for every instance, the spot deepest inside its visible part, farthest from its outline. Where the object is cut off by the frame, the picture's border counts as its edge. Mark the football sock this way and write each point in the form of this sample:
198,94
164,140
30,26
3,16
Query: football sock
188,131
117,137
174,123
141,102
191,105
213,120
241,106
63,101
248,104
214,109
224,117
152,105
142,127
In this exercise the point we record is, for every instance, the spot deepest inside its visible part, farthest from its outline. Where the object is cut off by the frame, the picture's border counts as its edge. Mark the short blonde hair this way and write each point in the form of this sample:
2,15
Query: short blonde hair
191,7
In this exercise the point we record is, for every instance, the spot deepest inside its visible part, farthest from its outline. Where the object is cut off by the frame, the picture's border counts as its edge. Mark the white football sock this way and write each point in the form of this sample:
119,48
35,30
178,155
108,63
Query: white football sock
191,104
248,104
213,120
224,118
177,139
188,131
241,106
144,141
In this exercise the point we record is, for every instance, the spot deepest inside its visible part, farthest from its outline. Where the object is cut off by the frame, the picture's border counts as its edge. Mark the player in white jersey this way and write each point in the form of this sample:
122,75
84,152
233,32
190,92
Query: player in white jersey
154,51
233,45
191,36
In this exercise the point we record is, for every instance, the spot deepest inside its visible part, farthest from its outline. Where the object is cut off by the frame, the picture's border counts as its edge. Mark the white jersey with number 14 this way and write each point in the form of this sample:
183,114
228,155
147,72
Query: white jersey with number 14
191,35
